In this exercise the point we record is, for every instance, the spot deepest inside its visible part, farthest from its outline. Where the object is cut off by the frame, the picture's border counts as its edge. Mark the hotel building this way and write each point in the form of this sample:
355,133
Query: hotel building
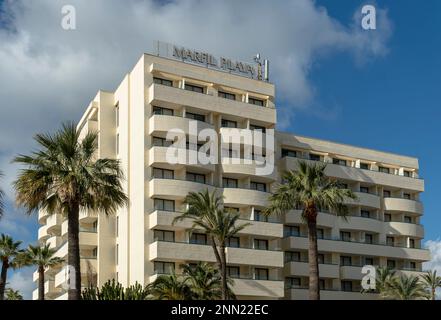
268,259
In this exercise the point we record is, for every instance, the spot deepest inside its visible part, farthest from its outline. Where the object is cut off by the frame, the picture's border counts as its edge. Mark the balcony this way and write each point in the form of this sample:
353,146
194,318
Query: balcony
361,175
174,97
175,189
302,294
163,124
258,288
265,229
351,273
42,233
243,169
42,216
243,136
172,251
54,242
405,229
53,223
357,248
366,200
403,205
298,268
245,197
158,155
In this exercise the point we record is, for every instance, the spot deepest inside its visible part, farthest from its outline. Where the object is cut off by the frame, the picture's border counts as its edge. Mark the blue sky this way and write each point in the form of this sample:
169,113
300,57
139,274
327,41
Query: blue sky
376,89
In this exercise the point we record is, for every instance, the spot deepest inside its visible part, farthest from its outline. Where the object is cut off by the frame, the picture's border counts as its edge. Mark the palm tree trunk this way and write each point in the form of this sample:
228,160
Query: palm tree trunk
73,253
224,272
314,288
220,264
5,266
40,283
433,294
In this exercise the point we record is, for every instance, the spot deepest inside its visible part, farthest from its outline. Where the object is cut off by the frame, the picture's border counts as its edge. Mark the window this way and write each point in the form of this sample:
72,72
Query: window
260,244
314,157
364,166
229,123
289,153
192,87
412,265
321,258
117,253
95,252
233,242
365,213
340,162
406,173
320,233
117,143
162,111
292,231
163,235
345,236
255,101
368,238
258,186
387,217
261,274
95,226
226,95
292,256
195,177
165,205
117,226
164,82
233,272
257,128
406,196
258,216
161,142
198,238
386,194
384,169
231,209
163,173
161,267
345,260
293,282
364,189
369,261
229,183
391,264
411,243
390,241
346,286
322,284
195,116
117,114
407,219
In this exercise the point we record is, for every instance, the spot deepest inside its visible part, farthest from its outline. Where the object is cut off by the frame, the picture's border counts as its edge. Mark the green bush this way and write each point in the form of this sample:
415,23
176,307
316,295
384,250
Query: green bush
113,290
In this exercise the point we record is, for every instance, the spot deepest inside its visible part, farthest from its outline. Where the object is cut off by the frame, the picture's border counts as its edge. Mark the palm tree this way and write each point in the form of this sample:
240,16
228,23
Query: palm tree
407,288
11,257
43,258
2,205
207,212
310,189
64,177
13,294
170,287
432,282
384,278
205,281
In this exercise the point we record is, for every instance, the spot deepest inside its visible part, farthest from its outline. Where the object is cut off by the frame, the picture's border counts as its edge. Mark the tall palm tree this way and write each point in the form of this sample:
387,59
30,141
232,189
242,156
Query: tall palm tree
170,287
309,188
206,211
205,281
43,258
13,294
11,257
64,177
432,282
407,288
2,205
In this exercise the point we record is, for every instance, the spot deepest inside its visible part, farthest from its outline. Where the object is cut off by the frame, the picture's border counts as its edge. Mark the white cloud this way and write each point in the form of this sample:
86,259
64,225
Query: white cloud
435,252
21,280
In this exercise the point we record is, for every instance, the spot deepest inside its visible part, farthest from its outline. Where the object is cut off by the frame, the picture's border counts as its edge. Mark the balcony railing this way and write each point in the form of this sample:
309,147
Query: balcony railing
209,244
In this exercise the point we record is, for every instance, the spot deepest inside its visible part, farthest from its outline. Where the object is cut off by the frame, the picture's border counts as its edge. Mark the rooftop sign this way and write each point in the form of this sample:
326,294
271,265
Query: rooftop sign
207,60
